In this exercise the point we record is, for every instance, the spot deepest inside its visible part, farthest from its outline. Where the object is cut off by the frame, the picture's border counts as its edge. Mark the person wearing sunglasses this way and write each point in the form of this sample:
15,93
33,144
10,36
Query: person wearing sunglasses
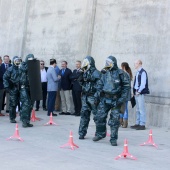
43,72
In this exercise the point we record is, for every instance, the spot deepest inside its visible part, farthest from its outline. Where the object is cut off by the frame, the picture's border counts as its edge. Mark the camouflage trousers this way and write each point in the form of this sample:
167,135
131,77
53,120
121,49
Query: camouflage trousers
88,106
13,102
26,105
103,109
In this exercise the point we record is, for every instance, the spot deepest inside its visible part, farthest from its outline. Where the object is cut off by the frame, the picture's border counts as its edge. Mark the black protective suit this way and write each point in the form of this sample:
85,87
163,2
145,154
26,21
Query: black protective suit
88,81
25,98
11,83
112,89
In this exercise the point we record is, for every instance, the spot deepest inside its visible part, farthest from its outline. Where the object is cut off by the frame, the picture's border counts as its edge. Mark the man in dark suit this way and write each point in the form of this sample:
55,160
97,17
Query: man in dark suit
65,88
4,67
43,72
76,89
1,87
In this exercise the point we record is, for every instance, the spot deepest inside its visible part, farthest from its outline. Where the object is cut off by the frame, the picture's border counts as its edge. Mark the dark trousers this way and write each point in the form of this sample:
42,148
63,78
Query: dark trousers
77,100
51,101
44,94
3,100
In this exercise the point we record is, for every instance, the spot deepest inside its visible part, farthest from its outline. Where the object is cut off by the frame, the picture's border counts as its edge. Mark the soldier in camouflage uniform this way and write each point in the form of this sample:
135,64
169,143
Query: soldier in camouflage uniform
25,98
11,84
88,81
112,89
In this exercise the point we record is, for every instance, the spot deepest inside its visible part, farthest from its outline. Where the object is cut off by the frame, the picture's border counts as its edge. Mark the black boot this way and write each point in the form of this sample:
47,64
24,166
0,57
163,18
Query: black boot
13,121
81,137
114,143
96,138
27,125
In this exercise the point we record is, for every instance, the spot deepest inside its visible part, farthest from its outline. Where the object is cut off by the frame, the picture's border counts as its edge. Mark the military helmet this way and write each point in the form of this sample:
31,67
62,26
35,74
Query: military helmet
29,57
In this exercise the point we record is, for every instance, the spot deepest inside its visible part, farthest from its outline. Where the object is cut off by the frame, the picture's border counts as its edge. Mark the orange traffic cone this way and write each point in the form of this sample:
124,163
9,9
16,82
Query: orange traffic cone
125,152
70,142
50,122
33,117
150,140
16,134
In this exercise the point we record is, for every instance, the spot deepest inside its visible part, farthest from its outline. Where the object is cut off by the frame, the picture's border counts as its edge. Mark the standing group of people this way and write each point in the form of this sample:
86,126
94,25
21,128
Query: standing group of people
92,91
58,83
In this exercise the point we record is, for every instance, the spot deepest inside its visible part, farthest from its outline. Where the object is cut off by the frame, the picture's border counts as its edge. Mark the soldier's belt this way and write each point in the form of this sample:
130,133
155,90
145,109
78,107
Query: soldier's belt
88,94
110,96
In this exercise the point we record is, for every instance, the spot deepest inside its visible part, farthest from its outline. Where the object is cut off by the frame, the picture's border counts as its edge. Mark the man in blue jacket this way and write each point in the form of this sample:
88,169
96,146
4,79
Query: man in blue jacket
52,86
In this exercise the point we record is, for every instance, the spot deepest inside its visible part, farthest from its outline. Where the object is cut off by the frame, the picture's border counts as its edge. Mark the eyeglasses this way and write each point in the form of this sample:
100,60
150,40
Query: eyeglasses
42,63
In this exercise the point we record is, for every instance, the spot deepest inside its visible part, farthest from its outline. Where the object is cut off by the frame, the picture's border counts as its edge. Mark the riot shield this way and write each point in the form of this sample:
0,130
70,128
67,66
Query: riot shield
34,79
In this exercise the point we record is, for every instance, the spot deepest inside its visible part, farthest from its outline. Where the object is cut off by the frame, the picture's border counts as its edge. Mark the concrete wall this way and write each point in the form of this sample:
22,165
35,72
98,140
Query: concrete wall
129,30
46,28
72,29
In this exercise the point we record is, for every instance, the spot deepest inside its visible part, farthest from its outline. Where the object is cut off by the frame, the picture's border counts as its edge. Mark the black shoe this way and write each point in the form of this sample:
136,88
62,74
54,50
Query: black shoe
36,109
27,125
135,126
67,113
54,114
73,114
114,143
44,109
7,111
141,128
78,114
96,138
62,113
81,137
13,121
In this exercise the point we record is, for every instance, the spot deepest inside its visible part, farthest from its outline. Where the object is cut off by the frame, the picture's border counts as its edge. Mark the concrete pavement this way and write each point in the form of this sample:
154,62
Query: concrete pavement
41,147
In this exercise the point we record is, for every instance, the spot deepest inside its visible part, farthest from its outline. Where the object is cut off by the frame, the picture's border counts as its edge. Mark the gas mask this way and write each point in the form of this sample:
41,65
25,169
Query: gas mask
17,61
85,65
109,64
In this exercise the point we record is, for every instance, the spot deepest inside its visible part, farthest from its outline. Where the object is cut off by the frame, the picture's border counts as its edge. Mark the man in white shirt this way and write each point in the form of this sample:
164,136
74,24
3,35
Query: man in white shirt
140,88
43,71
